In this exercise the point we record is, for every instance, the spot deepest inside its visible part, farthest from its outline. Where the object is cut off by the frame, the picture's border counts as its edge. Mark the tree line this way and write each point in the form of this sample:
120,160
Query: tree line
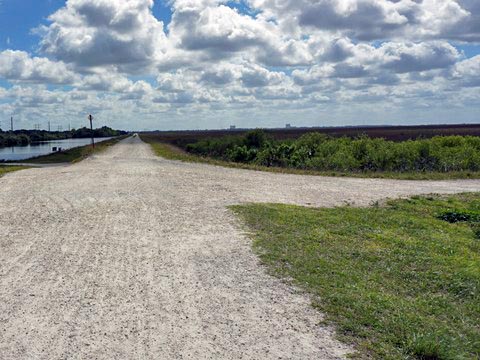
26,137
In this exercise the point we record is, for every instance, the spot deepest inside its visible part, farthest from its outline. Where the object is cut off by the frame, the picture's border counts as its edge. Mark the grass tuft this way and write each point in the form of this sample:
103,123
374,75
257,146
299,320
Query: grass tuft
428,347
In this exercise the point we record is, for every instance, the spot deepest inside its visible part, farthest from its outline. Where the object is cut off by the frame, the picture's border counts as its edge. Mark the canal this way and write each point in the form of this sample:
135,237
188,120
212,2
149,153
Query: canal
18,153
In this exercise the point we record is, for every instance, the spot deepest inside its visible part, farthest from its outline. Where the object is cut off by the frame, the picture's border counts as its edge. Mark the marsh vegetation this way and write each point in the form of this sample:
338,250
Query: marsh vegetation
438,157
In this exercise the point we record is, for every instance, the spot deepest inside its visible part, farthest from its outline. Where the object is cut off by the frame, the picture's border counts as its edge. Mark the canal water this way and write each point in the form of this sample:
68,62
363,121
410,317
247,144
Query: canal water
18,153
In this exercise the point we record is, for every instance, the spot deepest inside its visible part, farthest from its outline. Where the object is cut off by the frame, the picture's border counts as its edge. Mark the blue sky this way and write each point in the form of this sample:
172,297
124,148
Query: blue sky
249,63
18,18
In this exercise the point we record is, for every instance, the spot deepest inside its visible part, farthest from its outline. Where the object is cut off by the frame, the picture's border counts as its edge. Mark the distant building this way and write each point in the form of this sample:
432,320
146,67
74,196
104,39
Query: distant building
232,127
288,126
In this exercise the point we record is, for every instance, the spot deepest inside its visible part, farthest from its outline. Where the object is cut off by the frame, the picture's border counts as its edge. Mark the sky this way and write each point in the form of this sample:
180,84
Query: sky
209,64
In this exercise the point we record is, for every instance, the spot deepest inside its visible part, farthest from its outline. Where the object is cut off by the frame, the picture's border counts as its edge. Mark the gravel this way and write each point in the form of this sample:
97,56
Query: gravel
130,256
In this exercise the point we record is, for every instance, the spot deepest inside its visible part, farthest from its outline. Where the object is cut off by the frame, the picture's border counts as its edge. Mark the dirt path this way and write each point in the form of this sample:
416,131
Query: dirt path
127,256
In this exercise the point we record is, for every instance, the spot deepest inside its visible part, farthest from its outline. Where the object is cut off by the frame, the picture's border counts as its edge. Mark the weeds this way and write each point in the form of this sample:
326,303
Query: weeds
6,169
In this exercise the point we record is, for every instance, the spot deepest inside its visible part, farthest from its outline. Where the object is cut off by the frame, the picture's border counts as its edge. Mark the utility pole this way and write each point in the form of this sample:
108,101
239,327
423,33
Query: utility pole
11,123
90,117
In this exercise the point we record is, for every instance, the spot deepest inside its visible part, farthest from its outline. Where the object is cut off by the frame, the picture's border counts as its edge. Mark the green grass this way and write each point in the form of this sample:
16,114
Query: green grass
172,152
396,281
7,169
75,154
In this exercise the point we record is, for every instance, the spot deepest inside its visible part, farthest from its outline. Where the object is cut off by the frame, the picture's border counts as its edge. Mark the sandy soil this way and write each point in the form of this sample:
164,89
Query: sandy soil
128,256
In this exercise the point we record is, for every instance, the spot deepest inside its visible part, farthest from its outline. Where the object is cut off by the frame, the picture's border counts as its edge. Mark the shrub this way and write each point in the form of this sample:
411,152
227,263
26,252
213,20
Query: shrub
460,216
255,139
241,154
315,151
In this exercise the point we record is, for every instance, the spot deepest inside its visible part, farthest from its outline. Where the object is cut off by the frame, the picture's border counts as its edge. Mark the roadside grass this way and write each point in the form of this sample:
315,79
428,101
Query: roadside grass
395,280
172,152
7,169
75,154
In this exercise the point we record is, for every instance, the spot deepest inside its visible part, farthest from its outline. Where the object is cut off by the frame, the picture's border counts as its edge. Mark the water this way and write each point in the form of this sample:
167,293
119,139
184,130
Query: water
18,153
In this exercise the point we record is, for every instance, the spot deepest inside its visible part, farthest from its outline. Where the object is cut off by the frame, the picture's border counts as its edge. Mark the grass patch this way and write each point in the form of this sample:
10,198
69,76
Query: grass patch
172,152
75,154
397,281
7,169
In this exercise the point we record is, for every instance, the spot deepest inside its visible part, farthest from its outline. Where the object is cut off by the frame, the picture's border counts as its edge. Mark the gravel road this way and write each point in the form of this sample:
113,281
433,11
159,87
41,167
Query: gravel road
129,256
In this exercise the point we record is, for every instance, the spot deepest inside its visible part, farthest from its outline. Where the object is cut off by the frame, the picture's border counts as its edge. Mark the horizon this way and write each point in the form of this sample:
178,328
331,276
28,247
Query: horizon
242,129
148,65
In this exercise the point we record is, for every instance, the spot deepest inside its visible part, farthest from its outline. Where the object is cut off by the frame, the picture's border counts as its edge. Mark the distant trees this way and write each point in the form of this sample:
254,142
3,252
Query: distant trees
12,139
25,137
104,131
